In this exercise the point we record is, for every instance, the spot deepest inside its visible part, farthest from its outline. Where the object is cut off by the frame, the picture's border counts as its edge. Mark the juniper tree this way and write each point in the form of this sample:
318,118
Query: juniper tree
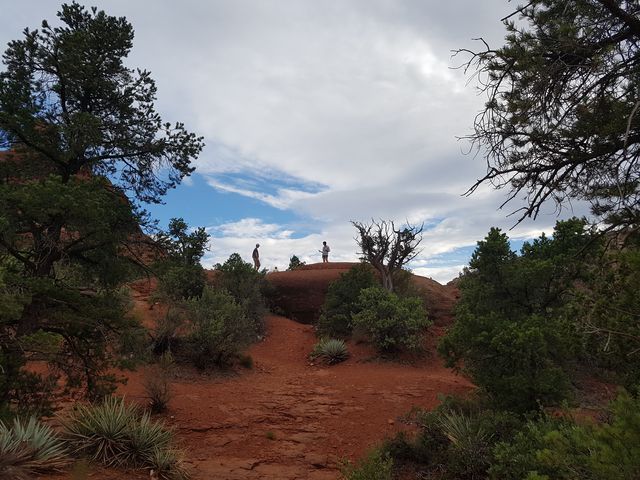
562,117
388,248
84,147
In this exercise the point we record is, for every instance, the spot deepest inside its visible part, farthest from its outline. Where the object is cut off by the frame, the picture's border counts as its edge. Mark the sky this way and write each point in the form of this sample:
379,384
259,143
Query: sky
316,114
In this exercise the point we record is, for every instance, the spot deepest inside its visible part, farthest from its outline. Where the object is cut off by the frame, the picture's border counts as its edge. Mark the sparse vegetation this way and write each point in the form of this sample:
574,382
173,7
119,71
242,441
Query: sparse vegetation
388,248
330,350
157,384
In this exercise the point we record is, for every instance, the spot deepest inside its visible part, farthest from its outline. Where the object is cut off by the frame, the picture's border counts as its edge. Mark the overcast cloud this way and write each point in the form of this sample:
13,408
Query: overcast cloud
333,111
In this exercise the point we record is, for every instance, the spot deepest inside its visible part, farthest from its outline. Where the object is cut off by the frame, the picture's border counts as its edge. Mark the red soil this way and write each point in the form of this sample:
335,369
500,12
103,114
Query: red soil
287,418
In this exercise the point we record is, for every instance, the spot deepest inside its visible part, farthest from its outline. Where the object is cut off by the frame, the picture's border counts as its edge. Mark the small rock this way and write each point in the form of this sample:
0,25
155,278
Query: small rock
390,422
315,459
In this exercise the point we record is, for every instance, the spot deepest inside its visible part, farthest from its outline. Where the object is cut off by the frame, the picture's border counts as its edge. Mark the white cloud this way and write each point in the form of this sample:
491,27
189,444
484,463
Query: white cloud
356,97
439,274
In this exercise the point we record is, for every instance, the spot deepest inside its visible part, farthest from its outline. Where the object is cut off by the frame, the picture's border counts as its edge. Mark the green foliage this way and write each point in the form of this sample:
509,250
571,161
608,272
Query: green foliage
247,286
330,350
393,323
514,333
341,302
455,441
180,274
377,465
67,98
218,329
608,311
82,133
560,449
29,448
560,122
115,433
295,262
177,281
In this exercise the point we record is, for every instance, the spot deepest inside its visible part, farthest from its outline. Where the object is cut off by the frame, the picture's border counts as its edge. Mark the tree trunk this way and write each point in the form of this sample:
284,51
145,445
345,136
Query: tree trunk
385,276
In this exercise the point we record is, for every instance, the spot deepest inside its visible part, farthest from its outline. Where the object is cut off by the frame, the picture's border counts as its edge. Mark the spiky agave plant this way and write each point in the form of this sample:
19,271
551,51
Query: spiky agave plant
28,448
119,434
463,432
102,431
330,350
146,438
168,464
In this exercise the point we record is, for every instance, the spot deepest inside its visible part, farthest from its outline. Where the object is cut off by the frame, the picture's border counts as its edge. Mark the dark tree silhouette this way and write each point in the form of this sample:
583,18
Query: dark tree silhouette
561,121
388,248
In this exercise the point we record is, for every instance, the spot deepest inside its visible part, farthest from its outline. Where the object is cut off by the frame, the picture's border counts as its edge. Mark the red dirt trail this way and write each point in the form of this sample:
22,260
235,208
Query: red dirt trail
287,418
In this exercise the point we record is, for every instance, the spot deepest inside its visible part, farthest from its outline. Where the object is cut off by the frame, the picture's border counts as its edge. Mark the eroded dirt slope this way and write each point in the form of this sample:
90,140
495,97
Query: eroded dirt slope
286,418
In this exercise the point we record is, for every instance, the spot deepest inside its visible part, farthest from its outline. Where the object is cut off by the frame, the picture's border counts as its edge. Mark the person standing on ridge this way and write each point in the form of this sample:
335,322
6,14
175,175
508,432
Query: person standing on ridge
325,252
256,257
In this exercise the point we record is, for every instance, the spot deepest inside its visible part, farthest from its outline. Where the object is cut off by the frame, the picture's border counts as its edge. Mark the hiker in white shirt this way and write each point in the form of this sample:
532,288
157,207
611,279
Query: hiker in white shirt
325,252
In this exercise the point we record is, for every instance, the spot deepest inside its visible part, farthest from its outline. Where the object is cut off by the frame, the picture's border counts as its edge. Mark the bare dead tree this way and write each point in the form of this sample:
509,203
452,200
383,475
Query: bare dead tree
388,248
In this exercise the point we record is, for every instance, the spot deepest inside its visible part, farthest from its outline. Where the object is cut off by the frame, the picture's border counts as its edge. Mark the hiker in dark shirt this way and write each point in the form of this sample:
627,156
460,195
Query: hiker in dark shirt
256,257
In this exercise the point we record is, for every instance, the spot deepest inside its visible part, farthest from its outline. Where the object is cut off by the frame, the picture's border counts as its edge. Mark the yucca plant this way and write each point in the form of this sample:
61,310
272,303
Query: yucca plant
119,434
28,448
167,464
146,438
463,432
330,350
102,431
469,454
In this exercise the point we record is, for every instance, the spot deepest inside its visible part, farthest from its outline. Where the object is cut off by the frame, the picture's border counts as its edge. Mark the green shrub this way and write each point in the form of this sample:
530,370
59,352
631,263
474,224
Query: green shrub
392,323
180,275
515,334
218,329
246,361
330,350
516,362
115,433
455,441
294,262
177,281
341,302
247,287
28,448
560,449
377,465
